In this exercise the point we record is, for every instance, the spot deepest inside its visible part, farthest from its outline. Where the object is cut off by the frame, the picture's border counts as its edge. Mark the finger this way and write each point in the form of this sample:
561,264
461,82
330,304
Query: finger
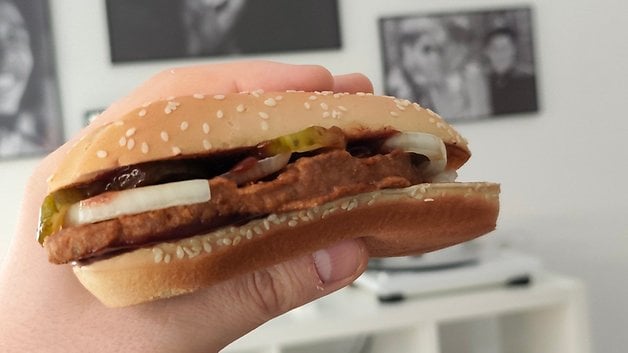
352,83
223,78
244,303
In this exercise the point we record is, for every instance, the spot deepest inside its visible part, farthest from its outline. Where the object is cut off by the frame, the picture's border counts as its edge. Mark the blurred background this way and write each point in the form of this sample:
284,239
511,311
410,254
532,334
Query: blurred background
560,156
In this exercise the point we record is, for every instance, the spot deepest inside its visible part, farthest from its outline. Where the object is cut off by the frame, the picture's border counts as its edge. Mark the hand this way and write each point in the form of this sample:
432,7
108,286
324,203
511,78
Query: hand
44,308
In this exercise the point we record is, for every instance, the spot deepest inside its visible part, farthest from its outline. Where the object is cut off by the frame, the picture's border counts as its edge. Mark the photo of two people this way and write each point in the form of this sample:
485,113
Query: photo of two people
463,66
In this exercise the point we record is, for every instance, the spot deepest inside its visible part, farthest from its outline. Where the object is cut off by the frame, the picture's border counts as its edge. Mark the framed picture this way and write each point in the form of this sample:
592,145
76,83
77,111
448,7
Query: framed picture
463,65
164,29
30,118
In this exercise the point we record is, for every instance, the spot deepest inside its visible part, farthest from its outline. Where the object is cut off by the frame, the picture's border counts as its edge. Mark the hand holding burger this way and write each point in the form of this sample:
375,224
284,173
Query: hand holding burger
226,181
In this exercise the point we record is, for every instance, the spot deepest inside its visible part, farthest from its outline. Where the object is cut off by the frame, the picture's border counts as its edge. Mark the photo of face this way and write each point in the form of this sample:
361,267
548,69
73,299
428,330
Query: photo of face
30,119
16,59
501,53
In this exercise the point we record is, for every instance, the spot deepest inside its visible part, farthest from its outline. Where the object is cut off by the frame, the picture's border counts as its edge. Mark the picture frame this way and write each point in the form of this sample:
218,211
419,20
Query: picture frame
464,65
142,30
30,114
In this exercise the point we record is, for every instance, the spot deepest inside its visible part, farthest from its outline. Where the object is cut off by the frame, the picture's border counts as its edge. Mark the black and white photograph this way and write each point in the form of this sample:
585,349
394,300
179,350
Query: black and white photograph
30,119
141,30
465,65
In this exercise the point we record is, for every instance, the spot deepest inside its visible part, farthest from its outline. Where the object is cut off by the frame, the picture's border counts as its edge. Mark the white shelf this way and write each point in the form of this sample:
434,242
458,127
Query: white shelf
547,316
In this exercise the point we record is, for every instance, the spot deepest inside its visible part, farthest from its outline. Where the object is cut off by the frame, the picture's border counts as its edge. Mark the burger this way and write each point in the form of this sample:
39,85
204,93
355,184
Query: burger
182,193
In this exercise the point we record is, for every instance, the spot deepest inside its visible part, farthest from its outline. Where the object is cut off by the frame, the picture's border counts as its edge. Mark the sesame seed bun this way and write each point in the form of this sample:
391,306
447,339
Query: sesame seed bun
387,221
202,125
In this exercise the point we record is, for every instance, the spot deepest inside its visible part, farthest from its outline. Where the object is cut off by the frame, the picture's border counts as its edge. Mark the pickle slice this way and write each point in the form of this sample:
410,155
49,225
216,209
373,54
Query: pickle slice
309,139
53,211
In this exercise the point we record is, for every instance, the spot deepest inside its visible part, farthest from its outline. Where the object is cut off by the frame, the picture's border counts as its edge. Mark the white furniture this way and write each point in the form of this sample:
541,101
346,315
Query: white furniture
549,315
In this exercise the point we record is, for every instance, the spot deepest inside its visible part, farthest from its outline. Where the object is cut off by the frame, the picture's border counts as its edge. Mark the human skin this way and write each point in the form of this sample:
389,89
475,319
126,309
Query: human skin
43,307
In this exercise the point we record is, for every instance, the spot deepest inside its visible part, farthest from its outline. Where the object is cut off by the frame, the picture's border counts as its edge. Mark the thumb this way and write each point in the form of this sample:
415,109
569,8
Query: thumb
232,308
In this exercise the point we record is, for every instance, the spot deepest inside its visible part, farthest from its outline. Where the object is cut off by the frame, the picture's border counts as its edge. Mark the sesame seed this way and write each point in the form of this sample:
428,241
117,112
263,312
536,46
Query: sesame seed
324,106
257,230
118,123
207,246
101,154
167,258
344,205
240,108
312,98
291,91
144,147
440,125
191,252
264,125
249,234
171,106
206,128
158,255
337,95
142,113
432,120
130,132
196,244
122,141
361,94
307,105
164,136
130,144
292,223
395,114
343,108
207,145
270,102
220,114
401,107
263,115
335,114
176,150
184,125
416,106
353,204
198,96
236,240
278,98
372,201
219,97
227,241
179,252
273,218
428,200
326,115
146,104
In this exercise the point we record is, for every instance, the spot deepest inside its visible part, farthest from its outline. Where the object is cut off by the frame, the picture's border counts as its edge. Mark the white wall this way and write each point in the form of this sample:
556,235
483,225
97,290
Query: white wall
561,169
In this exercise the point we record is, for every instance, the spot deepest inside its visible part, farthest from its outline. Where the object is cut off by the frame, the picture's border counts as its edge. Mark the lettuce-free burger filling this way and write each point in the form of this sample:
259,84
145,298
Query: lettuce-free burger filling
293,172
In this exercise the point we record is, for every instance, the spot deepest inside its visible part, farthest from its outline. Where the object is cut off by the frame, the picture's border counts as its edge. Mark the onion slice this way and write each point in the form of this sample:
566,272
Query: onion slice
110,205
260,169
424,144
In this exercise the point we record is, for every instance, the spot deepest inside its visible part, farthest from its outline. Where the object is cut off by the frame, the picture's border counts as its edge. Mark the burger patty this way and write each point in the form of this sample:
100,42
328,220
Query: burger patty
306,183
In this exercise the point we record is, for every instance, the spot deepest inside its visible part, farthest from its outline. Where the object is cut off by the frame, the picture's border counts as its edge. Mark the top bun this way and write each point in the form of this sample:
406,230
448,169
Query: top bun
201,125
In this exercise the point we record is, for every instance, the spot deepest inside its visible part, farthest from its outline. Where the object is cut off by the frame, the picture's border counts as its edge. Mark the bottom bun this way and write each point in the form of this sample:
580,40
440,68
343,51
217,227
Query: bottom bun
392,222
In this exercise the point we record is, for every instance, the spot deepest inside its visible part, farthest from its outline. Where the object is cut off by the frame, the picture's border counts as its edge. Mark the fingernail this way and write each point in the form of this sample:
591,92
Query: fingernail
339,262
